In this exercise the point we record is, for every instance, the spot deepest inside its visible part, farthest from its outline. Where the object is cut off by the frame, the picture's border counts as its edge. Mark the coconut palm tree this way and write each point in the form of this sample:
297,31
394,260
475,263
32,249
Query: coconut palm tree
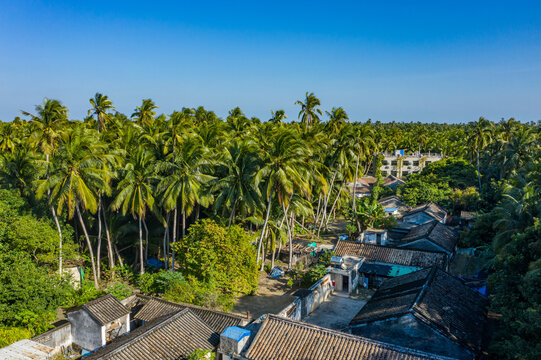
76,176
480,137
136,192
278,117
237,188
309,111
47,127
100,107
144,114
337,118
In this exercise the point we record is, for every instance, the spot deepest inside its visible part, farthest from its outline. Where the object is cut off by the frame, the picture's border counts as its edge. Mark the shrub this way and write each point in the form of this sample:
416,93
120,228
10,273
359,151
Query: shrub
312,276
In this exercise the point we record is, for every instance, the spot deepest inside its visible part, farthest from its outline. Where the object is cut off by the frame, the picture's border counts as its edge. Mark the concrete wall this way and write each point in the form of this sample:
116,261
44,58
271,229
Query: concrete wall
408,331
301,307
58,338
117,328
85,331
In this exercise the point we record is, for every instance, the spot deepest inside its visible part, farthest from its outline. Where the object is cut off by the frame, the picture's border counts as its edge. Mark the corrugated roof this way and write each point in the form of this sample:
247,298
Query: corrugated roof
217,320
105,309
438,299
431,209
390,255
285,339
172,337
437,233
26,350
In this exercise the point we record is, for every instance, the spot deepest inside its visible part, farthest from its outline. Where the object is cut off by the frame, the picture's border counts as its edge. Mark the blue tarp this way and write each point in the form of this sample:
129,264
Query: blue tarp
276,273
343,237
155,263
391,209
235,333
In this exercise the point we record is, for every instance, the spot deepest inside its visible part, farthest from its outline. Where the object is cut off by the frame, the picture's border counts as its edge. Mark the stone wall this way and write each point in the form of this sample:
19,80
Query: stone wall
301,307
58,338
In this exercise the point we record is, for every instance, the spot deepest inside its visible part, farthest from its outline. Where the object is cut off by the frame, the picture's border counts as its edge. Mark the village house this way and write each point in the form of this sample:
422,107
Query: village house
279,338
428,310
170,337
363,186
432,236
374,236
96,323
378,263
393,205
424,213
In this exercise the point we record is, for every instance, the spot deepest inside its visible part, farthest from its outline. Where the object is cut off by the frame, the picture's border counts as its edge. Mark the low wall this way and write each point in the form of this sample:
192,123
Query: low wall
58,338
302,306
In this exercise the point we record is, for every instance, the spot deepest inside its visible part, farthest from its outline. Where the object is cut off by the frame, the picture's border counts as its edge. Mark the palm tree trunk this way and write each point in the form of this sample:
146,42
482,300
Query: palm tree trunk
478,169
290,239
232,213
333,205
146,239
59,241
316,215
120,261
165,237
109,243
98,250
174,239
354,201
326,202
264,226
142,268
87,238
183,224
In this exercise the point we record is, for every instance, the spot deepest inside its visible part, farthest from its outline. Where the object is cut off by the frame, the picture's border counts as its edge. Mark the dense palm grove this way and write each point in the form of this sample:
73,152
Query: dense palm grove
111,191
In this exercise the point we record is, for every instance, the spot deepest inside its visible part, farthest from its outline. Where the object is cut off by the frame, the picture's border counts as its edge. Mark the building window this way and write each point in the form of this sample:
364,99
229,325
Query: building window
393,173
407,162
416,163
393,162
385,162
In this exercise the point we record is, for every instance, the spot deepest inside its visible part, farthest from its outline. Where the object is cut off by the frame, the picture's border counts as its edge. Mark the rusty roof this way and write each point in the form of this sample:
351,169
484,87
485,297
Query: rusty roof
390,255
104,309
172,337
436,298
431,209
443,236
217,320
284,339
26,350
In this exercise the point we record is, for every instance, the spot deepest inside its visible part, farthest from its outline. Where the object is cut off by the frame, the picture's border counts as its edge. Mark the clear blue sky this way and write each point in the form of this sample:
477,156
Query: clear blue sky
443,61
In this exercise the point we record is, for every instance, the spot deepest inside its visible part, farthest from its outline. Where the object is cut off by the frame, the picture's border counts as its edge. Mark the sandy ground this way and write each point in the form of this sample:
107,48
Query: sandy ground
272,296
336,312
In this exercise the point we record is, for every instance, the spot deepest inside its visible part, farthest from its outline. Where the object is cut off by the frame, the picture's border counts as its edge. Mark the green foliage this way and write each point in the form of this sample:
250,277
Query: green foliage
29,296
458,173
201,354
289,282
217,255
420,189
9,335
325,257
313,275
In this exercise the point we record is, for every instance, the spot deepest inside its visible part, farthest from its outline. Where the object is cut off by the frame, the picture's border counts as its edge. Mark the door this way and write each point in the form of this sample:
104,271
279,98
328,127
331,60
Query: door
345,283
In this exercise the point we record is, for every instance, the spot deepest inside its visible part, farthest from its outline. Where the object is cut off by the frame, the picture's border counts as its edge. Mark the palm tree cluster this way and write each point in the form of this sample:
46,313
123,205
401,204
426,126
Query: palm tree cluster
160,173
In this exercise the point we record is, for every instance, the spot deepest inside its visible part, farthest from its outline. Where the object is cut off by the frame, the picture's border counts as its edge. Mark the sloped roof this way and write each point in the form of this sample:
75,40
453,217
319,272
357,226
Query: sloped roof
170,337
439,234
436,298
104,309
431,209
390,255
285,339
26,350
391,179
217,320
391,201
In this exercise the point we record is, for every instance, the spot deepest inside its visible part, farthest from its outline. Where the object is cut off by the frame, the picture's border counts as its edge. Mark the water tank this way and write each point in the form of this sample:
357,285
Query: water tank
337,261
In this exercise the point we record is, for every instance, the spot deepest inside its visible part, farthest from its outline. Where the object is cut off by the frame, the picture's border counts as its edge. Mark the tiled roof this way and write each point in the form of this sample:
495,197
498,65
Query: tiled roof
26,350
391,201
285,339
436,298
105,309
389,255
217,320
171,337
389,180
441,235
432,209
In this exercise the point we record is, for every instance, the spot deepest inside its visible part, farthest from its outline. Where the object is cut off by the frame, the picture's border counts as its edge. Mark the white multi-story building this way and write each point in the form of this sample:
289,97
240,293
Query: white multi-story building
400,164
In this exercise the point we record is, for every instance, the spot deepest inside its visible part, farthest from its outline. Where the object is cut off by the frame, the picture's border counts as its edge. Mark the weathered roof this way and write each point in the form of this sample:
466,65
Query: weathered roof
217,320
392,200
285,339
436,298
431,209
26,350
105,309
439,234
390,255
392,180
167,338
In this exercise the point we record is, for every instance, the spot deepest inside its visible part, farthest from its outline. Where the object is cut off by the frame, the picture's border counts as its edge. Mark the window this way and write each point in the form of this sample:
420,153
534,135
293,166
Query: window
416,163
393,162
385,162
393,173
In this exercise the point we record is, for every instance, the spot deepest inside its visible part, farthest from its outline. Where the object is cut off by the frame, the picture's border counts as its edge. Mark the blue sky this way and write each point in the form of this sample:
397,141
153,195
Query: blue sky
441,61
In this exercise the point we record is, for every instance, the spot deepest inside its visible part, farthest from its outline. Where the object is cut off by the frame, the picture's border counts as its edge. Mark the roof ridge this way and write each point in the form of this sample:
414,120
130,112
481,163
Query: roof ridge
192,306
429,280
352,337
152,327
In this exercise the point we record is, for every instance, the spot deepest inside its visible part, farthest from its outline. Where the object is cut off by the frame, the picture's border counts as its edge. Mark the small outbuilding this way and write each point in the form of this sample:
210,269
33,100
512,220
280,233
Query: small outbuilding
425,213
98,322
432,236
